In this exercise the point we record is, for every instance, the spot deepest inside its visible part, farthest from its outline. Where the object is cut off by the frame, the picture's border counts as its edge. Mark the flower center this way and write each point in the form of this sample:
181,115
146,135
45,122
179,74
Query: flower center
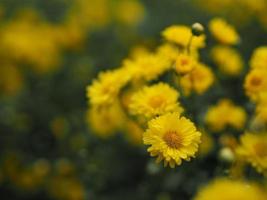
156,101
261,149
172,139
256,81
184,62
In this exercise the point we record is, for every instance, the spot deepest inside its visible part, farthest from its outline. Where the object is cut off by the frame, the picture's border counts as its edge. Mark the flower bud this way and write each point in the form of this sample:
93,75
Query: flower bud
197,29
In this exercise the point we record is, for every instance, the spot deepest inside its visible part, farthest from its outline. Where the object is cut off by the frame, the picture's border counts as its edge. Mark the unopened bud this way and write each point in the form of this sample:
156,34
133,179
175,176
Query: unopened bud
197,29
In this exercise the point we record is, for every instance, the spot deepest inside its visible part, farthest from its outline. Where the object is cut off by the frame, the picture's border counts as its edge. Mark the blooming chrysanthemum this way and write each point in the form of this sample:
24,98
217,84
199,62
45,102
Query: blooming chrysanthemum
228,60
185,63
256,83
106,88
146,66
217,117
226,189
253,149
259,58
155,100
172,139
198,80
181,35
223,32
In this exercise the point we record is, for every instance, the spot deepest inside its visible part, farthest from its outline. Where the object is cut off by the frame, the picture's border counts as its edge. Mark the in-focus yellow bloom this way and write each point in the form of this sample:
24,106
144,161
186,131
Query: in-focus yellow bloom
104,90
253,149
225,113
105,121
181,35
226,189
227,59
155,100
146,66
172,139
185,63
259,58
223,32
198,80
256,83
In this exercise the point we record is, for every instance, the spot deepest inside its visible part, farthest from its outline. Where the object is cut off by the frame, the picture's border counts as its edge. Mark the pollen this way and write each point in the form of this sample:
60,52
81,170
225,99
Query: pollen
172,139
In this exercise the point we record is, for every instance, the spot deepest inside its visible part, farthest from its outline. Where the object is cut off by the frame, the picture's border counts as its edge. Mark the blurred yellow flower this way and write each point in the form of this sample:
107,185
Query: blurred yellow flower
134,132
206,145
223,32
256,83
199,80
217,117
227,189
253,149
227,59
172,139
259,58
105,90
105,121
130,12
155,100
181,35
185,63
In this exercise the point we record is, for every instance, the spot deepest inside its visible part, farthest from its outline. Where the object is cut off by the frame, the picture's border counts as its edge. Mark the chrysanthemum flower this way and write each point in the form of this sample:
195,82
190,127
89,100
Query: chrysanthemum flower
228,60
181,35
217,117
259,58
261,108
223,32
155,100
146,66
226,189
253,149
106,88
105,121
185,63
256,83
198,80
172,139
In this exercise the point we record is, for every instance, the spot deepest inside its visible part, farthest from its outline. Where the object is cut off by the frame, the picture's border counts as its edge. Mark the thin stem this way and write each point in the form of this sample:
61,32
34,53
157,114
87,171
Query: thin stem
189,44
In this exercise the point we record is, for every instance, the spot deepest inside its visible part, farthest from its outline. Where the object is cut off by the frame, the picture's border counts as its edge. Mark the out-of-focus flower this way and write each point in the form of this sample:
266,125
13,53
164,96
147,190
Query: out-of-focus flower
130,12
225,113
105,90
206,145
253,149
227,59
106,121
256,83
181,35
155,100
198,80
227,189
223,32
134,133
185,63
259,58
172,139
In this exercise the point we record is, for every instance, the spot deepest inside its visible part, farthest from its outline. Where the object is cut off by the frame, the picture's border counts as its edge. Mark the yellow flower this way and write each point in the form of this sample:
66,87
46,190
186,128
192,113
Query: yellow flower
259,58
146,66
198,80
253,149
105,121
168,51
261,108
154,100
104,90
227,189
185,63
256,83
181,35
134,132
206,145
124,12
228,60
223,31
225,113
172,139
